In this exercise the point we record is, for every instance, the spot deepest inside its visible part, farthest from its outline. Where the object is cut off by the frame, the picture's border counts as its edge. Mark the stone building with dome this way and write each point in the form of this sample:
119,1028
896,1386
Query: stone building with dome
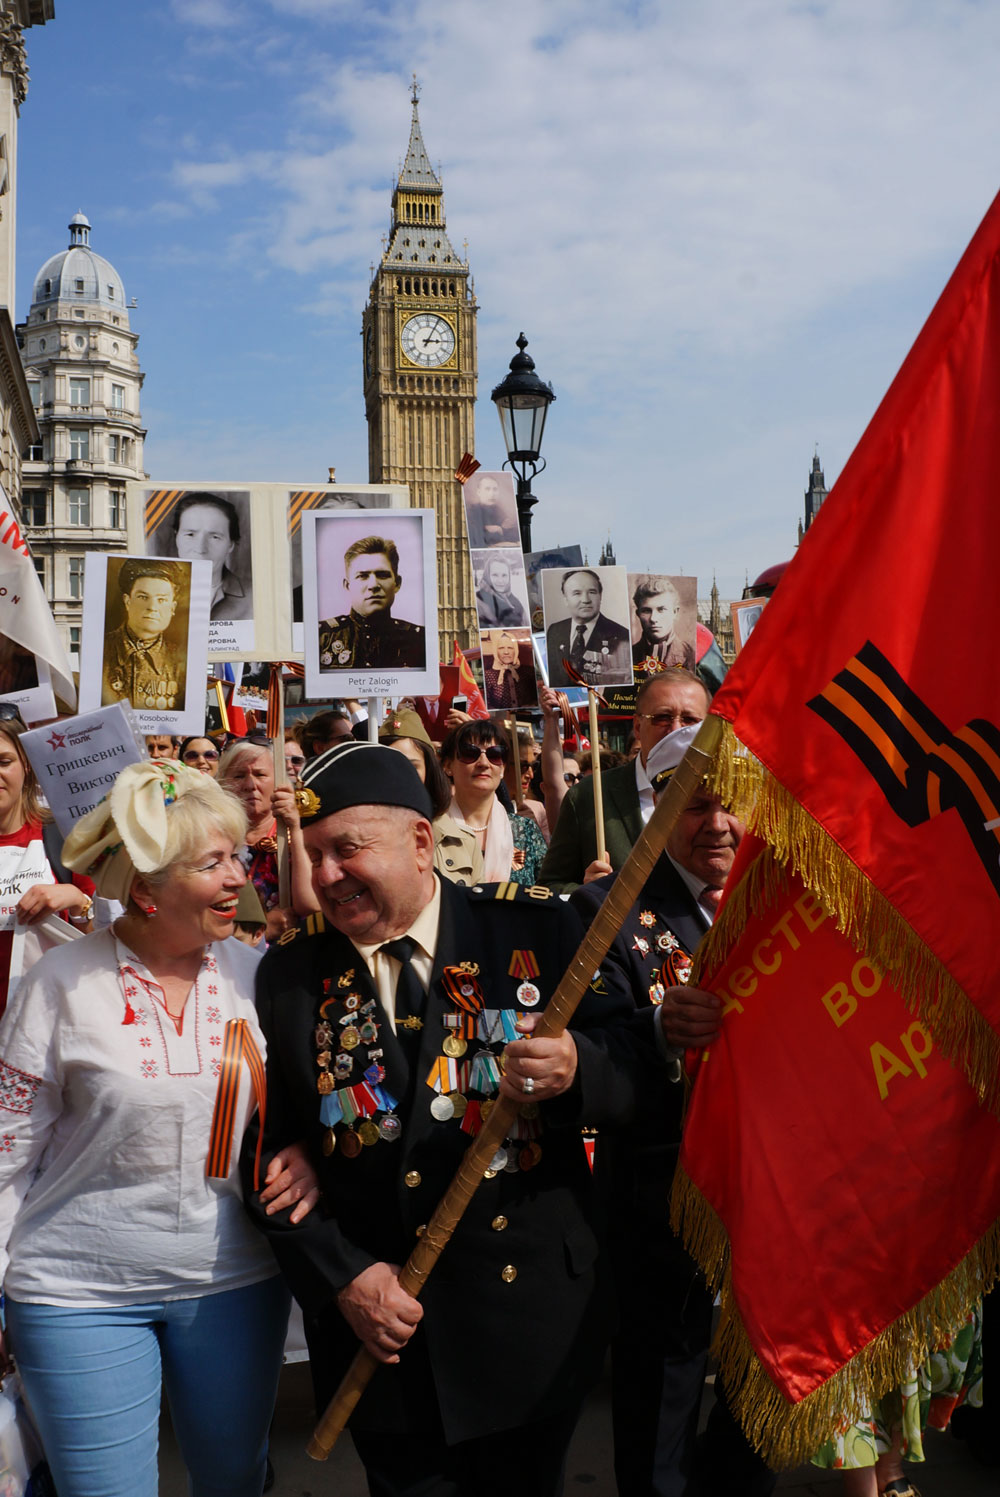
79,355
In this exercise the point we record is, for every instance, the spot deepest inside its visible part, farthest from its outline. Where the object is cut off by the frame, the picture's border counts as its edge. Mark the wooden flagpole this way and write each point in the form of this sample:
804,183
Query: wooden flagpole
563,1004
595,773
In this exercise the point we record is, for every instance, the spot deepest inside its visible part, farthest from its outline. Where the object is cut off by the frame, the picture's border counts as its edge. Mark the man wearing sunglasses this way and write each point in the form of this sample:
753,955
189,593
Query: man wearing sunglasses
674,699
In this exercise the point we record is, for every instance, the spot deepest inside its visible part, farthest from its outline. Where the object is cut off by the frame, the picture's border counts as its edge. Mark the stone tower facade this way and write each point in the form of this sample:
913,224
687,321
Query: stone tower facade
419,341
83,375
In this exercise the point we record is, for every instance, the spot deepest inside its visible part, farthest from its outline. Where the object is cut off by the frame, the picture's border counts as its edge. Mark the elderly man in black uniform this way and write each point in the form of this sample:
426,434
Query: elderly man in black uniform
660,1357
391,1026
140,665
369,636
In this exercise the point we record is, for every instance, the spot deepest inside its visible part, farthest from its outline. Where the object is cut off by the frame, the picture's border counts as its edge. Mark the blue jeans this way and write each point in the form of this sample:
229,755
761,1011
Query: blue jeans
92,1379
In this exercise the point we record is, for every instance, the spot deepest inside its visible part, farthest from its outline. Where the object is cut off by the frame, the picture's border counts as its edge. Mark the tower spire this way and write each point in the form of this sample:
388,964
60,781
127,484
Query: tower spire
417,170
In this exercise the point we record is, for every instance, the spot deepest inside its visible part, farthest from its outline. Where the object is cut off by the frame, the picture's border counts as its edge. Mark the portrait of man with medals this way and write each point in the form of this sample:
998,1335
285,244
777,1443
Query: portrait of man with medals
393,1023
145,658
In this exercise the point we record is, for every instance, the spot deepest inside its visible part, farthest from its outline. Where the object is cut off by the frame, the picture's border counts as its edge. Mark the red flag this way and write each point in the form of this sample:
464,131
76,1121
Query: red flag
876,782
467,681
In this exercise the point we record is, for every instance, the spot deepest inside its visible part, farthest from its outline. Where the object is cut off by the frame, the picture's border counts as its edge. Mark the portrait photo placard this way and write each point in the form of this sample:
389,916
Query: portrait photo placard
501,590
145,639
25,681
508,669
536,562
369,597
490,510
664,622
746,616
587,623
330,499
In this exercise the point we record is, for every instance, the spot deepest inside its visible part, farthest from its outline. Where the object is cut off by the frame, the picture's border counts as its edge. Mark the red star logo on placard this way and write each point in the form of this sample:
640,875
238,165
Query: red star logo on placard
56,740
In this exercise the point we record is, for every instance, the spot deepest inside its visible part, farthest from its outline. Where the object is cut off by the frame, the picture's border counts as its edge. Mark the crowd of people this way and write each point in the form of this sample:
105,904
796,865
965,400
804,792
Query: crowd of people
230,1074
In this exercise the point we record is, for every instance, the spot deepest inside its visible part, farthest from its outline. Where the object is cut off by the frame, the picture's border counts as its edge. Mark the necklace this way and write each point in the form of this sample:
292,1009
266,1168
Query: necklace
477,828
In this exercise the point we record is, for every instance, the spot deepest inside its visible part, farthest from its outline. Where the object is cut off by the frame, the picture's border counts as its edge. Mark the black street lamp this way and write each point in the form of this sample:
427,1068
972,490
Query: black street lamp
523,400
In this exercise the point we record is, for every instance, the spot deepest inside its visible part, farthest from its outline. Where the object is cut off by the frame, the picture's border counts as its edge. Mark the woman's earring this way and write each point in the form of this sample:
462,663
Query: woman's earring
149,910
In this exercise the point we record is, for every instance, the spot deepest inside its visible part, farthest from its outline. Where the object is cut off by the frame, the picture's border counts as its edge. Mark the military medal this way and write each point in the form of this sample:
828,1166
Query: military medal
324,1083
641,945
350,1039
647,919
344,657
454,1045
656,992
352,1001
667,942
368,1031
326,658
346,978
528,994
329,1142
343,1065
323,1035
459,1103
442,1108
389,1128
499,1160
350,1143
368,1132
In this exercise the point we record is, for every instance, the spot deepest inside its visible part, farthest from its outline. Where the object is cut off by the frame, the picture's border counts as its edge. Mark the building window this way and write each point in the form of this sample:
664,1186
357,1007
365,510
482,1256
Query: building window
35,506
48,288
79,506
79,392
79,444
74,643
117,397
80,313
35,391
76,576
39,562
114,448
79,286
35,453
126,449
111,293
116,508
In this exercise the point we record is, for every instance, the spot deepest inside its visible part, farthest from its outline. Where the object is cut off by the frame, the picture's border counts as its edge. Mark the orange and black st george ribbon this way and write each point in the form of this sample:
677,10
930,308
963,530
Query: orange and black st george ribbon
921,765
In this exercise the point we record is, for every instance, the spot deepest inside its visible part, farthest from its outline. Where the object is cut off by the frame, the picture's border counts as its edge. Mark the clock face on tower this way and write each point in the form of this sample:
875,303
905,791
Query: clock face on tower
427,340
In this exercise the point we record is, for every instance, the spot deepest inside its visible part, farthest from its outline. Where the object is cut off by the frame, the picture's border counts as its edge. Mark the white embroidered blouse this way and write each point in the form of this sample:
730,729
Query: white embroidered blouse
105,1115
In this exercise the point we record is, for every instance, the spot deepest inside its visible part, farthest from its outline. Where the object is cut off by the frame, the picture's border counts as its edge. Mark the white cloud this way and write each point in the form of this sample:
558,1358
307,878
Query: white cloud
679,203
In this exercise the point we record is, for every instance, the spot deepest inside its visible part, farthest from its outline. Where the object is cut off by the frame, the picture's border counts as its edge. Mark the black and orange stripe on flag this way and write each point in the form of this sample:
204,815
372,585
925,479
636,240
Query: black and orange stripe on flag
838,1175
238,1045
298,502
160,505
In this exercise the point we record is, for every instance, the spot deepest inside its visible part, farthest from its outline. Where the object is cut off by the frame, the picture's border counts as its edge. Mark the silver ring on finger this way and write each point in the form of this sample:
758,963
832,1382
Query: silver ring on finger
528,1085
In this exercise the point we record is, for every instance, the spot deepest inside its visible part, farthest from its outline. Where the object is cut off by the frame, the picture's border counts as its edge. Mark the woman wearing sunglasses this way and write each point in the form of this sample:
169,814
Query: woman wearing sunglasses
200,754
473,757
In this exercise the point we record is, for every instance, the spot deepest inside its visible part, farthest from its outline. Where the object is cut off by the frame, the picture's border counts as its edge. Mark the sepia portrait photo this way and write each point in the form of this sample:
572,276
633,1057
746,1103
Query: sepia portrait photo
664,622
145,639
490,510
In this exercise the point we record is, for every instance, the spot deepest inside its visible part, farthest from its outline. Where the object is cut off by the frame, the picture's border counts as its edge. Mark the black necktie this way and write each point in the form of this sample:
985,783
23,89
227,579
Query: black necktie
576,653
410,995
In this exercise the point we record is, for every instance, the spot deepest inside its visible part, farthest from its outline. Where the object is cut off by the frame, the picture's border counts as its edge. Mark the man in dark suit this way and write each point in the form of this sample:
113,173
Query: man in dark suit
597,648
385,1026
659,1357
674,699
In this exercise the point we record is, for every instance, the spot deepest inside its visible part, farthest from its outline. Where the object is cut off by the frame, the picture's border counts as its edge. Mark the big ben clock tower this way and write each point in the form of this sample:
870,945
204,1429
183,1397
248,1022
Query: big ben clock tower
419,338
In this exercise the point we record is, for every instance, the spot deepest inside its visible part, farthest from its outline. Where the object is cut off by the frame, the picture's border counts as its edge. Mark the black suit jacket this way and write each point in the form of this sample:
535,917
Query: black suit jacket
574,842
636,1165
608,639
494,1353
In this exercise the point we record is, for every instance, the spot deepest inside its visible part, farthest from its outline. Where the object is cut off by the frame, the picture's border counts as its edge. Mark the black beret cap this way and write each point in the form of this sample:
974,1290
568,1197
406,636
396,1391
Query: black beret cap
359,774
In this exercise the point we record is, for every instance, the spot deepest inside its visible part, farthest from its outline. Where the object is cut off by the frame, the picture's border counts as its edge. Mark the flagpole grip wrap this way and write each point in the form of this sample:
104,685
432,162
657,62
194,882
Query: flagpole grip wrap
276,732
595,774
556,1016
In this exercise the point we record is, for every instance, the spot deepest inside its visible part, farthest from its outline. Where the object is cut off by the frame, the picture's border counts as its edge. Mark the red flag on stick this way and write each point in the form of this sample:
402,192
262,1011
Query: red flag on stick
848,1231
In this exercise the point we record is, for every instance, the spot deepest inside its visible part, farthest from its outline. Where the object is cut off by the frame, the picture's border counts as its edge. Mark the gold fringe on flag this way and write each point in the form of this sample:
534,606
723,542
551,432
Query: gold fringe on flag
864,915
789,1434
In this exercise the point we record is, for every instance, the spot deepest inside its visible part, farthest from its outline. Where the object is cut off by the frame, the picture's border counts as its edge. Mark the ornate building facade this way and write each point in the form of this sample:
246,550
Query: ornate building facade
814,495
83,375
17,421
419,342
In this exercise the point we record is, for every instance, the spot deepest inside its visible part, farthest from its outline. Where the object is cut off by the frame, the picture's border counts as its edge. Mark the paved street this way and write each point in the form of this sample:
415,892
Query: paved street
949,1471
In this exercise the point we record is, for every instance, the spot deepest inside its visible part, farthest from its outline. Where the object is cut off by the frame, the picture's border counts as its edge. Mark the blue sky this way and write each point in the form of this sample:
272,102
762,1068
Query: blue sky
720,223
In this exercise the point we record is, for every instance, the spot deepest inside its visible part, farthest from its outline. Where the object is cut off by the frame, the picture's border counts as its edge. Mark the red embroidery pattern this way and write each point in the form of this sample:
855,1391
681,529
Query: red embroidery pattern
149,1068
7,1143
213,1014
18,1089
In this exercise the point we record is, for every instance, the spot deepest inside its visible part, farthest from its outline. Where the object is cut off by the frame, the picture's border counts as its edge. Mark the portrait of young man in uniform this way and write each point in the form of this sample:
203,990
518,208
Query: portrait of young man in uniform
367,636
663,633
146,627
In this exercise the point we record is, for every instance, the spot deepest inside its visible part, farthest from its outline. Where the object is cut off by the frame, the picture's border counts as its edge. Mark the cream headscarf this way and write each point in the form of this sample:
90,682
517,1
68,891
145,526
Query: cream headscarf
126,833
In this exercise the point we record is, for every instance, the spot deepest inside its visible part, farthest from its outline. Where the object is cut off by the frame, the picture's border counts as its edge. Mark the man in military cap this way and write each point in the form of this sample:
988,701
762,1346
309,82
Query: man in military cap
368,636
141,666
392,1023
